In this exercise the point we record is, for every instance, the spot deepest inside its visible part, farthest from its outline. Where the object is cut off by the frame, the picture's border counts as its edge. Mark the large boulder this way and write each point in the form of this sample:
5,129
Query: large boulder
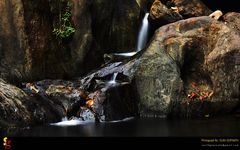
190,68
160,14
19,108
188,9
168,11
12,109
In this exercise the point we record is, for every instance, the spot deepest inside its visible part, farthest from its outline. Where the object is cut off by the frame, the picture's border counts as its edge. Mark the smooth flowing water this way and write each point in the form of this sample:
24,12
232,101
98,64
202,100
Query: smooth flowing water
72,122
128,54
143,33
142,37
113,80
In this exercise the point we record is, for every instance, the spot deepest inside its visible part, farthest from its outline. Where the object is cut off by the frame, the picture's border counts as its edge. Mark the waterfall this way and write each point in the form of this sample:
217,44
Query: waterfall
142,37
128,54
143,33
113,80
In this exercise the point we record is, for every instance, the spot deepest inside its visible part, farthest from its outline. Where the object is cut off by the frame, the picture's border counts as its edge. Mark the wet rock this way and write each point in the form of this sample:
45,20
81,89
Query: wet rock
117,57
98,97
113,99
12,110
21,109
126,69
65,93
196,50
121,102
189,9
88,115
169,11
161,15
95,96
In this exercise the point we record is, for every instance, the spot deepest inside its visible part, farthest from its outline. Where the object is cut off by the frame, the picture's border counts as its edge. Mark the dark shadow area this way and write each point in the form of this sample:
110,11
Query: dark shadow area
224,6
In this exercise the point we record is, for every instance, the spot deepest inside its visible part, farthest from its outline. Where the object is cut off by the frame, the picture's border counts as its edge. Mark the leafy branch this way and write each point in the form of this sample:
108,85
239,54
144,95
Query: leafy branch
64,28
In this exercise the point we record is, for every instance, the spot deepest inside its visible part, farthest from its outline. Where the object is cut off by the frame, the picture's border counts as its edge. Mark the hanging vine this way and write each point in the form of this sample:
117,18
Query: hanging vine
64,27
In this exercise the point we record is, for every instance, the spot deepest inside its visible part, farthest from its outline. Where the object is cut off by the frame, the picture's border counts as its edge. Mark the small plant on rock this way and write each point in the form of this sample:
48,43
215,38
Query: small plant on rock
199,91
64,28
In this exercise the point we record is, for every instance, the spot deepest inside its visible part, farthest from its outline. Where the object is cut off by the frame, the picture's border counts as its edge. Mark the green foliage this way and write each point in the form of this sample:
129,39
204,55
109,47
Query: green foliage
64,28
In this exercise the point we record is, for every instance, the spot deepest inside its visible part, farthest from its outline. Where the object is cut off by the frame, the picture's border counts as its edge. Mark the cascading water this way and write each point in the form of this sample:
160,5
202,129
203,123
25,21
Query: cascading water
143,33
113,80
129,54
72,122
86,115
142,37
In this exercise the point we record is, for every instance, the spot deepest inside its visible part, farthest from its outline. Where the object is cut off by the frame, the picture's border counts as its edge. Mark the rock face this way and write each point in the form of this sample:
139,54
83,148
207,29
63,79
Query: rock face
13,44
114,28
195,56
82,38
30,51
115,24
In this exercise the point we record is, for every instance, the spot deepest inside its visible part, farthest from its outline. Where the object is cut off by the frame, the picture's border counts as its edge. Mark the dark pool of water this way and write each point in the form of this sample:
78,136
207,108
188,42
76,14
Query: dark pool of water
206,127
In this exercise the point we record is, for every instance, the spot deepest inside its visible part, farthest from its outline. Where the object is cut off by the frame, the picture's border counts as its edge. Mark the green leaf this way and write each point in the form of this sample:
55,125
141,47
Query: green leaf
65,29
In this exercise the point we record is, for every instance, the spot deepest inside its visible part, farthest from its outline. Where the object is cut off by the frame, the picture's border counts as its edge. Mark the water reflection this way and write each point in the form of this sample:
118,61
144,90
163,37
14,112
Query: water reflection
134,127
